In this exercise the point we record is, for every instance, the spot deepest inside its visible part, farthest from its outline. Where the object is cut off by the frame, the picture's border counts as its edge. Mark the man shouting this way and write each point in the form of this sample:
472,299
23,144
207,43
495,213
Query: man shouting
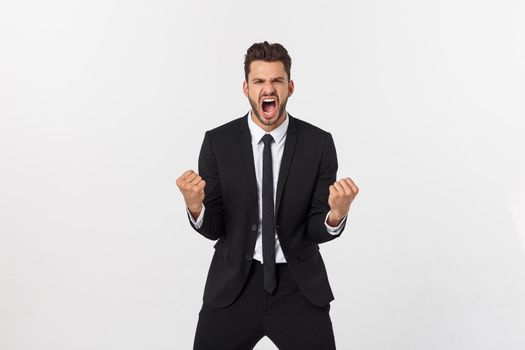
266,190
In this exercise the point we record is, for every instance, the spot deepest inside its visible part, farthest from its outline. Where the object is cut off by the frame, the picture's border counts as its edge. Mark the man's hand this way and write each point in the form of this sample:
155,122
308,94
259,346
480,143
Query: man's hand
342,193
192,186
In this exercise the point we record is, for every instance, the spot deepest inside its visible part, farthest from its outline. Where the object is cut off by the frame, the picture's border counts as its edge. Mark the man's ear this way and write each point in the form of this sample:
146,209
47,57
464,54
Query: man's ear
245,88
291,88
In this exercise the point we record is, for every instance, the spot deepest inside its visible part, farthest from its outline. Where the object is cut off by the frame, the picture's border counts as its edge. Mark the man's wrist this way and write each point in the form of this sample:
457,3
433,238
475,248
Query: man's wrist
195,211
334,219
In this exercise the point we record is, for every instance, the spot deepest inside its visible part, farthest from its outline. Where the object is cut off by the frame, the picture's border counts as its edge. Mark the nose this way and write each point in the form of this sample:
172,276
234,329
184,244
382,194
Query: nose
268,89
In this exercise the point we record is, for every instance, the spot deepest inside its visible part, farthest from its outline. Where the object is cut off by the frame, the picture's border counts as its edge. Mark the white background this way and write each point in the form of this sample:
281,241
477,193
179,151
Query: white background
103,104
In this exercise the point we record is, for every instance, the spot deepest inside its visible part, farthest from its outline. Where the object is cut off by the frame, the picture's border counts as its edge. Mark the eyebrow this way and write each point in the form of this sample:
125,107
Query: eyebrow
273,79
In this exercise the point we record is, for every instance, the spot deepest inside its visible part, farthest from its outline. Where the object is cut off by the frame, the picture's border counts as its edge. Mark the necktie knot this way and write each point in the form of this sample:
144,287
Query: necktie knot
267,139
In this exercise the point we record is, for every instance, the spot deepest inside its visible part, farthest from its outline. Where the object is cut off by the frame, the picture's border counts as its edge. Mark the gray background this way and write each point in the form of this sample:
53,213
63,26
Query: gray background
104,103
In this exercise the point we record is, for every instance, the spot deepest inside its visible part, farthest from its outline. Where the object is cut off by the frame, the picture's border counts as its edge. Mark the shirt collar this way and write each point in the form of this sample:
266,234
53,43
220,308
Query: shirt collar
257,132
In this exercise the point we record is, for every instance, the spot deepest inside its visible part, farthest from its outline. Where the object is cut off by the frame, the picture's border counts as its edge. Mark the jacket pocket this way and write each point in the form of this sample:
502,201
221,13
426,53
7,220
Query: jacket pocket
222,247
308,251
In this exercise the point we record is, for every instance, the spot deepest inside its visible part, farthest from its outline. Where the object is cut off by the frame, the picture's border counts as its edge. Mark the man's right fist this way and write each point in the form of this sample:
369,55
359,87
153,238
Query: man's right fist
191,186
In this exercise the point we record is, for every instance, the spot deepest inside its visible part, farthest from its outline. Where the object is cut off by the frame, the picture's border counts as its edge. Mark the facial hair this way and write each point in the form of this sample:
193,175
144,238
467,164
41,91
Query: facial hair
282,109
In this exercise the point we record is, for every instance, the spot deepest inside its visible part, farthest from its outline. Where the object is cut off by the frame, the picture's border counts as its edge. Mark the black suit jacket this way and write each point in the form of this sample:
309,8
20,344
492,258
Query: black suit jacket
308,168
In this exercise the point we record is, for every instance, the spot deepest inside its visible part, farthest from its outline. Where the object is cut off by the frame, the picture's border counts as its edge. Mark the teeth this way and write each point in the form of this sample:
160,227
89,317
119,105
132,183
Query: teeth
268,100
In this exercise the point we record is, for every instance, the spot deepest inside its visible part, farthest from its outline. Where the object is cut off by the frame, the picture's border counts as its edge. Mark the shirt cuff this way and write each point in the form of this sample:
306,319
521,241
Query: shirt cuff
331,229
196,222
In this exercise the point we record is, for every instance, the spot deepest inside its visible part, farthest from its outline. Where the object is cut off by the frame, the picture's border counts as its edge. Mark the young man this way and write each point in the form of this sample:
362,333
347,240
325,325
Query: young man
267,192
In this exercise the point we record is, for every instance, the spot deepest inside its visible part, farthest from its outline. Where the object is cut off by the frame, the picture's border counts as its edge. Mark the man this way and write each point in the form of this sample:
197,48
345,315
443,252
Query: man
266,191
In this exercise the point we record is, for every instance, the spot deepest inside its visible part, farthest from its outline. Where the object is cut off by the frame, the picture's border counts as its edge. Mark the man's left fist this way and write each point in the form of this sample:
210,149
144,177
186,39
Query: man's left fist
342,193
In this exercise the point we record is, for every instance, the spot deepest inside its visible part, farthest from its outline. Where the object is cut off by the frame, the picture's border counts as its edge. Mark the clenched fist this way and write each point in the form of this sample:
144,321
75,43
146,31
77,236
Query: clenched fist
342,193
191,186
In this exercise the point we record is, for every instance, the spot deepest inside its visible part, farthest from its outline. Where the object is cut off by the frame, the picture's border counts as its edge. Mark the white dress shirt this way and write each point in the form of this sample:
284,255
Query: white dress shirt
277,148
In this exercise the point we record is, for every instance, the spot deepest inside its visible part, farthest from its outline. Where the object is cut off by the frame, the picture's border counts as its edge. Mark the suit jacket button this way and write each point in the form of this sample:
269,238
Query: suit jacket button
254,227
249,256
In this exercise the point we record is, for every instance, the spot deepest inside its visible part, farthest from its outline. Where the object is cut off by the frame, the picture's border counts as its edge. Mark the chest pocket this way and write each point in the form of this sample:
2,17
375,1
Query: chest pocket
302,173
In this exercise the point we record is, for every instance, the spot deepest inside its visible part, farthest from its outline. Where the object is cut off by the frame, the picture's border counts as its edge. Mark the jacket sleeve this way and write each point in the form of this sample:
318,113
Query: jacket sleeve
316,227
213,220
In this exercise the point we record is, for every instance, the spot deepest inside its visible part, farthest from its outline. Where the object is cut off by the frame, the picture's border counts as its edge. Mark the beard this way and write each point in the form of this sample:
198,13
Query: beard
280,112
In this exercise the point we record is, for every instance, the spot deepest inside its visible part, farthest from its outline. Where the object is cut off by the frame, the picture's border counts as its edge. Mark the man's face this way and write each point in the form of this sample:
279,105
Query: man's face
268,89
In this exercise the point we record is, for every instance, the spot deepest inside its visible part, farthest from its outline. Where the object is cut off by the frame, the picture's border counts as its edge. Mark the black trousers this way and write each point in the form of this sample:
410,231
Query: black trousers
286,317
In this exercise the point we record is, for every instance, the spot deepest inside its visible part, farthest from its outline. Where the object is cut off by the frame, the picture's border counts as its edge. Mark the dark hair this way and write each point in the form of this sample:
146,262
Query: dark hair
267,52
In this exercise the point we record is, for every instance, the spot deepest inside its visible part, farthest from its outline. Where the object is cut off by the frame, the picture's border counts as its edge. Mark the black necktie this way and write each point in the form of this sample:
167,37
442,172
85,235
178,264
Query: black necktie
268,221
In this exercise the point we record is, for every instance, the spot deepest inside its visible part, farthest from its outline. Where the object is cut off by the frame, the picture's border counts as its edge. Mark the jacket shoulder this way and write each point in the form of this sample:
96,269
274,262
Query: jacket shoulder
227,129
308,129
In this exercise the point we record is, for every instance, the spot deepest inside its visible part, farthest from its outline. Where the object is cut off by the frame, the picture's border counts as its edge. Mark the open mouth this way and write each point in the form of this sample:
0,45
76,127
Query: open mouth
269,106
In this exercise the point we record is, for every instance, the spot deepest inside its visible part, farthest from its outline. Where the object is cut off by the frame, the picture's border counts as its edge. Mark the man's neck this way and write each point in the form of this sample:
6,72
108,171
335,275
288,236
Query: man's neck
268,128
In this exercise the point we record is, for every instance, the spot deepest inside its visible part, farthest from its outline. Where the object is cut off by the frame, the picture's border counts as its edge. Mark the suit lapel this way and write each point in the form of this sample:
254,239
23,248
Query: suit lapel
289,148
245,143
